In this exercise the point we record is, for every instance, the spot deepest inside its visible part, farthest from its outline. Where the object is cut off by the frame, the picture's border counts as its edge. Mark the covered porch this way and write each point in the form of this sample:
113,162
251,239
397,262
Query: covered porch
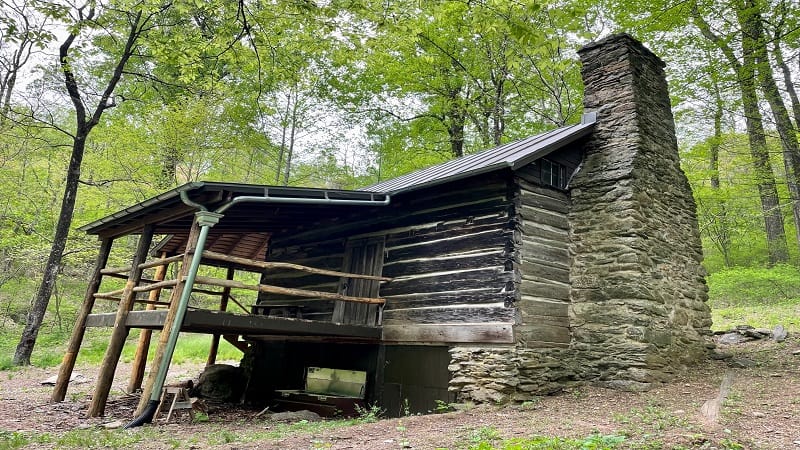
207,275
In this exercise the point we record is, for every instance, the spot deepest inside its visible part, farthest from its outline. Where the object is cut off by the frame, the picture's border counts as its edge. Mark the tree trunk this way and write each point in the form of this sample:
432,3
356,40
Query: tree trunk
84,125
765,179
756,63
783,122
721,230
22,355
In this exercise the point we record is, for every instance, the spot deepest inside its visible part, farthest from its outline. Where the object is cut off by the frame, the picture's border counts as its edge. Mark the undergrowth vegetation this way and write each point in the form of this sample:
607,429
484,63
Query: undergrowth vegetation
759,297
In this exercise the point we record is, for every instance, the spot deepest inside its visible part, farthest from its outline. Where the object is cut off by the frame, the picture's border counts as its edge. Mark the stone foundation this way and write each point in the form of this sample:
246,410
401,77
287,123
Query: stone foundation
503,374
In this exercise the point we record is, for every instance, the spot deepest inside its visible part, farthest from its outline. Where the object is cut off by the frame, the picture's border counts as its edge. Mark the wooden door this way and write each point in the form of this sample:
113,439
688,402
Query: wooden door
365,257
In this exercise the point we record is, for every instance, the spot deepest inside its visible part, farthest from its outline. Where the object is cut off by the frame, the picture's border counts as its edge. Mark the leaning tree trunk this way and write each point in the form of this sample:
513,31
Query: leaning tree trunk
765,178
722,236
84,125
22,355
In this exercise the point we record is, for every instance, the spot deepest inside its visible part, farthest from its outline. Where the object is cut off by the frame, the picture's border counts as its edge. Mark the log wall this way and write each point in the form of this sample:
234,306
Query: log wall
540,361
543,252
450,251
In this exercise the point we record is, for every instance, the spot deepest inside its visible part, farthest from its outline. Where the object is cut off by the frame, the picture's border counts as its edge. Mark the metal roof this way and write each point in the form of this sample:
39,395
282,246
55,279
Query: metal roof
286,207
512,155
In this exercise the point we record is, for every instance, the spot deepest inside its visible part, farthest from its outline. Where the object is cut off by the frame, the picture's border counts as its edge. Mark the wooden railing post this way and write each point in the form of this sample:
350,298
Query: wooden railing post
120,332
191,244
68,363
143,346
223,306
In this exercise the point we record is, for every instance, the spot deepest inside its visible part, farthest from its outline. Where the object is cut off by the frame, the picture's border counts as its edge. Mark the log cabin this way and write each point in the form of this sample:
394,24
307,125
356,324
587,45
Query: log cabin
566,257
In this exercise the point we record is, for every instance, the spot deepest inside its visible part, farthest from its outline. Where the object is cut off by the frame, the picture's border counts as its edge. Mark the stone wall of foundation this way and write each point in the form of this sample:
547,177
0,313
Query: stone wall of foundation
503,374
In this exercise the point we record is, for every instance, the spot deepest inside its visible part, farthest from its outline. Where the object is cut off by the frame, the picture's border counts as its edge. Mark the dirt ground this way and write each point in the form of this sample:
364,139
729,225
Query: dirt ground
761,411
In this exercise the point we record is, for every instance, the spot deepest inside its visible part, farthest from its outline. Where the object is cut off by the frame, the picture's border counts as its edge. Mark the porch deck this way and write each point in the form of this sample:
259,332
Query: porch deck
219,322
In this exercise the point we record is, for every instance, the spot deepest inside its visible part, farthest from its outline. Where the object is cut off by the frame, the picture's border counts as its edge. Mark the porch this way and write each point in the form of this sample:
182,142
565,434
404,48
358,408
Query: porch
206,276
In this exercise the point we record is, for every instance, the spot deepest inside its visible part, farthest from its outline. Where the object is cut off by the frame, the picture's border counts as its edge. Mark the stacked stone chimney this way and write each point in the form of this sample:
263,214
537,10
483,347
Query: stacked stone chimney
638,308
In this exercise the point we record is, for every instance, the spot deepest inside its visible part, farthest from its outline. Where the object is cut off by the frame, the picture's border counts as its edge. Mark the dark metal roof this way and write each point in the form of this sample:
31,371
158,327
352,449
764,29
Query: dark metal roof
512,155
290,207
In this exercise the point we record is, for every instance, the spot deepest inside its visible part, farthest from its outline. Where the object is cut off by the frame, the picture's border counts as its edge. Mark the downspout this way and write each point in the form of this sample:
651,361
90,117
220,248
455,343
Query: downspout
206,220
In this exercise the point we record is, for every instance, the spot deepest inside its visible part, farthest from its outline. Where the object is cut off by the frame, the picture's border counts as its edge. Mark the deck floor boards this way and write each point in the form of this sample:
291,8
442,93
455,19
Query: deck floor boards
217,322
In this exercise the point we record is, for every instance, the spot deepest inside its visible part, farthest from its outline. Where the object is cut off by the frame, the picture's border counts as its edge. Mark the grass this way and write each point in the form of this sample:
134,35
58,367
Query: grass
593,442
758,297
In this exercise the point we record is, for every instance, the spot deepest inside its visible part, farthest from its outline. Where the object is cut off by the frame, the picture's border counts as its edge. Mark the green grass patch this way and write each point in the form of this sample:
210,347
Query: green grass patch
593,442
759,297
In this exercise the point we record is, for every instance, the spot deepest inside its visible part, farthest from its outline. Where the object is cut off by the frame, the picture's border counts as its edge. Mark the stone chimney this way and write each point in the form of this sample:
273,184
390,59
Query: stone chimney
638,308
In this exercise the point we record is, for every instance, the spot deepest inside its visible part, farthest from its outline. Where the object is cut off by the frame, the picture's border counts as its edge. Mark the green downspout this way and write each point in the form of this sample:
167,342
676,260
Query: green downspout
206,220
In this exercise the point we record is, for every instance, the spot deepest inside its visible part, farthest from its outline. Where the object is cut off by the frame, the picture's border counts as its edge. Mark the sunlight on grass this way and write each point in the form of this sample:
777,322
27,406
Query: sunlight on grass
758,297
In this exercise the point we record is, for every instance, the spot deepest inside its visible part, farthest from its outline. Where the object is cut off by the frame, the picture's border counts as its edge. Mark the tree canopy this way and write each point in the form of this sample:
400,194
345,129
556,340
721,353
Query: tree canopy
106,103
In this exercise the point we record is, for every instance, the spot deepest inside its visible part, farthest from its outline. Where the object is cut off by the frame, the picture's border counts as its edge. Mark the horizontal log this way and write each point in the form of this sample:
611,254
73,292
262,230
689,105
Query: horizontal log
154,286
435,232
119,299
534,241
534,320
555,291
495,278
161,261
443,226
534,268
109,294
286,291
145,265
535,230
492,258
486,240
543,216
554,256
536,306
450,315
472,297
267,265
542,198
482,333
542,333
122,276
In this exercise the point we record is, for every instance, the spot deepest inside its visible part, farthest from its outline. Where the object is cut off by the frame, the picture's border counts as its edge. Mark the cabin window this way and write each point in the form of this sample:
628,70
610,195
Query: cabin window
553,174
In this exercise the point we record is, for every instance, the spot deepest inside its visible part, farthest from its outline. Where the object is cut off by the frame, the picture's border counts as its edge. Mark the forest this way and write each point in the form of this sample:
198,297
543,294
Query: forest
107,103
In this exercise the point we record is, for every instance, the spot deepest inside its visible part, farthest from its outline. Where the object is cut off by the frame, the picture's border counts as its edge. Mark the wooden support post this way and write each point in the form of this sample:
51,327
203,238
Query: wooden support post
68,363
191,245
223,306
140,360
120,332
